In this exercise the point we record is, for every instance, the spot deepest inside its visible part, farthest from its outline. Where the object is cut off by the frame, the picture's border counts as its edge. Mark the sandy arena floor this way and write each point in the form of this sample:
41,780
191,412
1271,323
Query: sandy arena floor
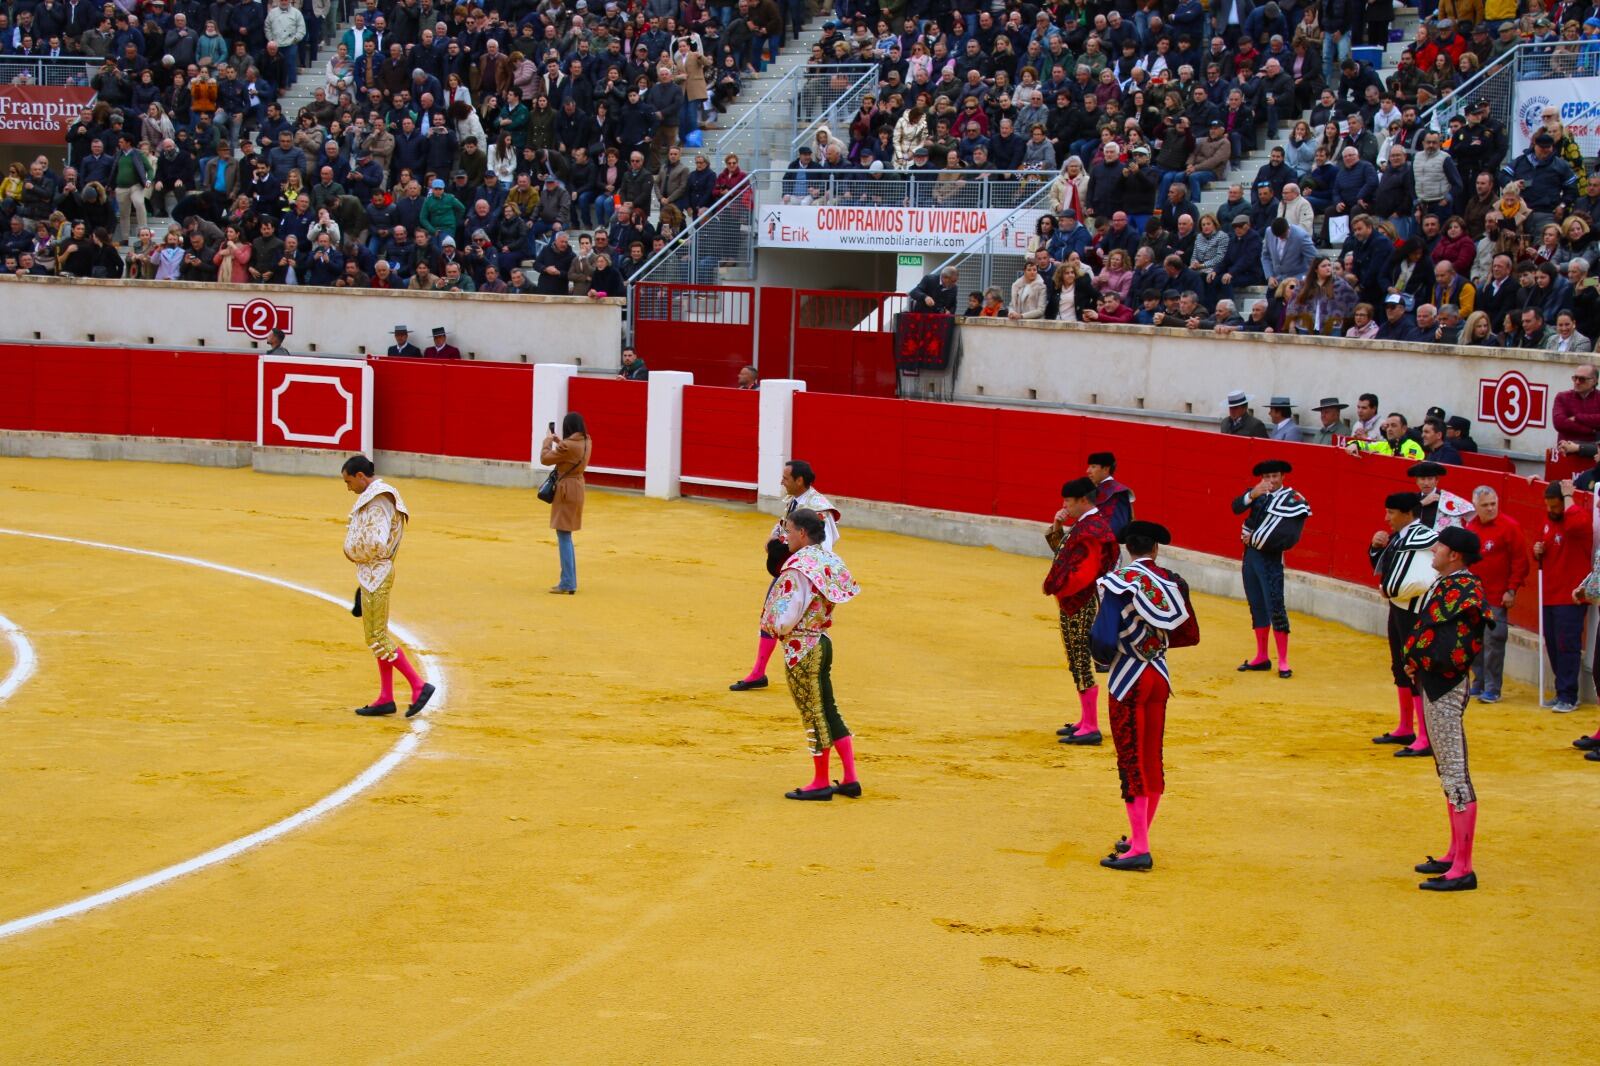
590,859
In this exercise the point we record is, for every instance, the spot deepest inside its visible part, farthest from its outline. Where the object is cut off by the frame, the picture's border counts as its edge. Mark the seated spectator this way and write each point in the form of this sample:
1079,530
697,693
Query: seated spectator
1566,337
1478,332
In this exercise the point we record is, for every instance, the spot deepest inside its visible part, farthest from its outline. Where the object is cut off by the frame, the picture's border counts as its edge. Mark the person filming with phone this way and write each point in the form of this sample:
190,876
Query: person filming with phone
568,457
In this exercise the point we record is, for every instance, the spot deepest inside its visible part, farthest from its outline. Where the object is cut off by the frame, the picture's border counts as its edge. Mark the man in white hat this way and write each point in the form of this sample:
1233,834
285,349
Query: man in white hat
1239,422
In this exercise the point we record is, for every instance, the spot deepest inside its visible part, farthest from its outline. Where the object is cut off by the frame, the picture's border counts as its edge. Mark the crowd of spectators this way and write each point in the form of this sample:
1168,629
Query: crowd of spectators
513,147
1431,235
502,146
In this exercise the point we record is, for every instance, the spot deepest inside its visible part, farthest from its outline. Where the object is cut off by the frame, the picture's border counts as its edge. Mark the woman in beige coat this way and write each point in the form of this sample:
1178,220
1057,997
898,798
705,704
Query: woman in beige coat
569,454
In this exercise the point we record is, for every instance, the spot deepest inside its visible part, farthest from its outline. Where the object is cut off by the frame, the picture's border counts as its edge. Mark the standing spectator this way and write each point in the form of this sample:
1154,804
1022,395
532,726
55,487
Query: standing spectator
937,293
1564,552
1286,252
1333,424
1239,422
131,175
1028,294
402,346
568,455
1576,414
553,264
633,368
1284,427
1503,570
441,348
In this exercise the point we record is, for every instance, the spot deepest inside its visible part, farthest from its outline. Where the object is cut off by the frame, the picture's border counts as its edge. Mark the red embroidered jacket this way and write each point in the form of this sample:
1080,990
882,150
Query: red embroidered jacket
1088,553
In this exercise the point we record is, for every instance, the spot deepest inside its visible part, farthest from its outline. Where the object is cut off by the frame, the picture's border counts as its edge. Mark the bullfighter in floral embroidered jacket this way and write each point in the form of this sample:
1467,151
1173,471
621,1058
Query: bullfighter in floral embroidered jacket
799,611
1446,638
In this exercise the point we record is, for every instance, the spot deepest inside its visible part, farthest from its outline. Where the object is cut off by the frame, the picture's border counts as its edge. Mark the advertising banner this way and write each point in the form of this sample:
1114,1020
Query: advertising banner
1578,99
40,114
848,228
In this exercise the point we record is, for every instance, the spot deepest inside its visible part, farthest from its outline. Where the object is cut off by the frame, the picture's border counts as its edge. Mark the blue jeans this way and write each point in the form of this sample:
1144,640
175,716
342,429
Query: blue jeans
691,117
569,560
1563,641
1168,177
1333,53
1197,179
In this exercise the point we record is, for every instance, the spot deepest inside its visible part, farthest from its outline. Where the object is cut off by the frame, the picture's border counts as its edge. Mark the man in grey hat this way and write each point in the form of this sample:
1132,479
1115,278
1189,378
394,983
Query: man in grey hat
1239,422
1281,410
1331,414
402,345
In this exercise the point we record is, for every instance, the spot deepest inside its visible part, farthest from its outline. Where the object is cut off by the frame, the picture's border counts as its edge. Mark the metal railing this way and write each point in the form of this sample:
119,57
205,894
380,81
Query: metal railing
767,130
1497,83
995,259
44,70
839,112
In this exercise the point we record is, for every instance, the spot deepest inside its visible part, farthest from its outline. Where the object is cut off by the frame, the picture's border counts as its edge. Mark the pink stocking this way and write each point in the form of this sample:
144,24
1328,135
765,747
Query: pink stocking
819,776
1463,826
1261,647
409,672
385,683
1407,706
846,747
763,654
1138,826
1422,724
1282,642
1089,705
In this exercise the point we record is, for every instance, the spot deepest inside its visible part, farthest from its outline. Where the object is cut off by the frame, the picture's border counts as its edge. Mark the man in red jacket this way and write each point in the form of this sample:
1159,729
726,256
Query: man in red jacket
1565,550
1086,550
1577,410
1503,569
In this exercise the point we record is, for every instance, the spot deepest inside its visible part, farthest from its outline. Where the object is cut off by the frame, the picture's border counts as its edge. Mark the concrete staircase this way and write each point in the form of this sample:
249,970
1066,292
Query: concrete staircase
1243,171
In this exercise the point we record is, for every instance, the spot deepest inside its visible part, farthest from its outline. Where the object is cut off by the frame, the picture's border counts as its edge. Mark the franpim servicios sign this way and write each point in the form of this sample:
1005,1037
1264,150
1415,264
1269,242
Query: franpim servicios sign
40,114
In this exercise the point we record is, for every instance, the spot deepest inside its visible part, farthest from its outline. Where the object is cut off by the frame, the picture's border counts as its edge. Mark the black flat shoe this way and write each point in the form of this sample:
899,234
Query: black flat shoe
1432,866
1586,743
1120,846
1465,883
1285,673
823,793
1128,862
1247,665
743,685
376,710
1593,756
1412,753
1088,739
420,702
1396,738
1067,730
847,788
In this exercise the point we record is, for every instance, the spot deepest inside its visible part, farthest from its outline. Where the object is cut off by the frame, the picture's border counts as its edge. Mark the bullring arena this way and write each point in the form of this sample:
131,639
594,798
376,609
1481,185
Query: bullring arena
584,854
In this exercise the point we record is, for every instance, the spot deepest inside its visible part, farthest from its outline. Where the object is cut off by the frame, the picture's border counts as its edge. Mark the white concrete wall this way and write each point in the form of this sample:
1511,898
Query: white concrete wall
1177,372
545,329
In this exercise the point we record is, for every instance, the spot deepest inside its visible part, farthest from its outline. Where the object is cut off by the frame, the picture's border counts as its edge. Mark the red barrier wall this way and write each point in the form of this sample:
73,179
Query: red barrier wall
721,429
188,395
615,413
443,407
1010,463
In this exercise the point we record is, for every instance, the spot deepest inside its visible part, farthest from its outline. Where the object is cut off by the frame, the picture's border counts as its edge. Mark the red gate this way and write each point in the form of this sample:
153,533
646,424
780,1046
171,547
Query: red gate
708,330
843,341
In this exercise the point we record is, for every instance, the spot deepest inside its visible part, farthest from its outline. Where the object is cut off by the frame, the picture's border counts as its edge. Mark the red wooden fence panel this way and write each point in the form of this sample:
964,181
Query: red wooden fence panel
992,461
721,430
615,413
